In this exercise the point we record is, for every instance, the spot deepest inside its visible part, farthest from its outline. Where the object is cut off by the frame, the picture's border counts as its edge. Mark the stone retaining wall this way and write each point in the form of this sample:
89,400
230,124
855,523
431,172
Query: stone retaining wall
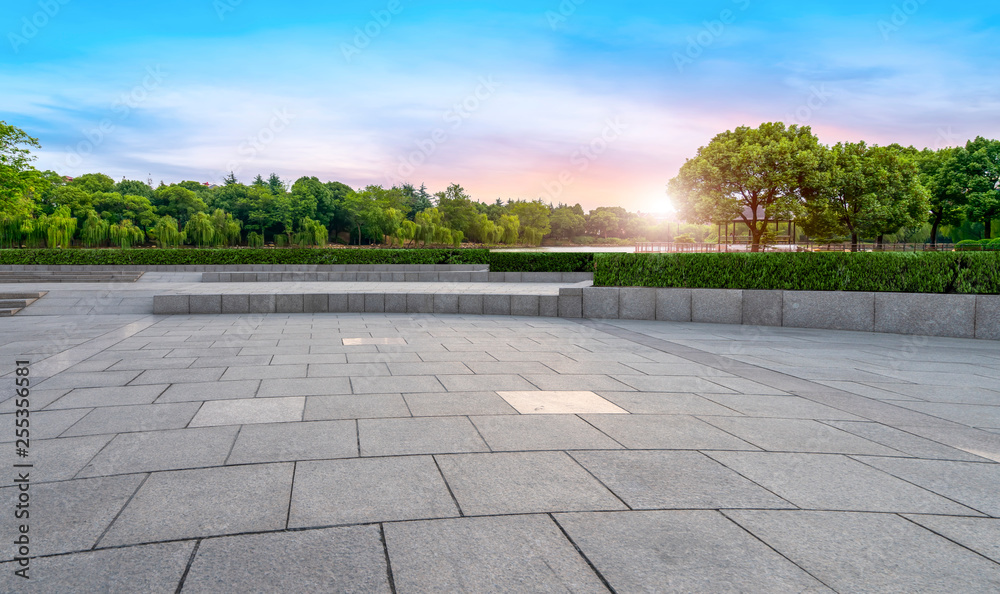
959,316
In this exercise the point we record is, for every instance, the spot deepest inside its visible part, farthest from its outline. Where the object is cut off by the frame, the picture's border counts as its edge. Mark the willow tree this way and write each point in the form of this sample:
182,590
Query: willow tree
756,176
125,234
510,227
200,229
227,229
94,232
167,233
59,228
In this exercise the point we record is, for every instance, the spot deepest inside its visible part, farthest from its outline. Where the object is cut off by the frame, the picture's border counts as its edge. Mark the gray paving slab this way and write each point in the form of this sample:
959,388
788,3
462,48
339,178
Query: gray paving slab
457,403
559,382
967,414
674,432
797,435
143,417
523,554
262,372
541,432
249,411
398,384
975,485
173,376
60,459
184,504
833,482
92,379
667,403
198,392
360,406
283,442
427,435
681,551
982,535
852,552
523,482
687,384
162,450
352,491
148,568
349,559
271,388
67,516
114,396
902,441
675,480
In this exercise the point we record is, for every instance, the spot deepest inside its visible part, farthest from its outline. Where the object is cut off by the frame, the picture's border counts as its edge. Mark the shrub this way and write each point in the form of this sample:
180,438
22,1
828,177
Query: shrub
255,240
113,257
968,245
992,246
928,272
541,262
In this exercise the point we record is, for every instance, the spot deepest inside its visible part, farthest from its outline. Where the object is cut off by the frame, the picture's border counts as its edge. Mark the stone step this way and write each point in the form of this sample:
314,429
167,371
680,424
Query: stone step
75,276
18,303
8,311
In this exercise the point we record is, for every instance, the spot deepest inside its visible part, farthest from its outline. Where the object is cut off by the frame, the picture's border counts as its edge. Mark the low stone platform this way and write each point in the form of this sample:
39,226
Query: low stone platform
69,276
11,303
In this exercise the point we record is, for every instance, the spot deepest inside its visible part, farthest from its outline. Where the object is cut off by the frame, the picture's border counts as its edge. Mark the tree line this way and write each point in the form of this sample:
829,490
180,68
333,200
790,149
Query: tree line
760,176
42,208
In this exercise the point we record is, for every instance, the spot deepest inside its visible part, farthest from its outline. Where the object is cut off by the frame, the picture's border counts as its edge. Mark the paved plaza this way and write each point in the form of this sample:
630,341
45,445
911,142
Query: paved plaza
449,453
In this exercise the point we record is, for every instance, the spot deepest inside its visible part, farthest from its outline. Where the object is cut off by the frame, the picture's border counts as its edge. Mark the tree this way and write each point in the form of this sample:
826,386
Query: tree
200,229
945,193
178,202
277,186
756,176
566,223
417,199
978,170
132,187
115,208
510,228
307,195
18,179
867,190
457,207
94,182
534,219
230,179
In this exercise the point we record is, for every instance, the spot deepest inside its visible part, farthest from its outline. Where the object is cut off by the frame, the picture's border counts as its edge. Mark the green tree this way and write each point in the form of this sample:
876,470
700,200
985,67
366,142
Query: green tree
510,227
19,181
131,187
754,175
457,208
167,234
115,207
534,220
566,223
938,174
200,229
867,190
94,182
178,202
978,170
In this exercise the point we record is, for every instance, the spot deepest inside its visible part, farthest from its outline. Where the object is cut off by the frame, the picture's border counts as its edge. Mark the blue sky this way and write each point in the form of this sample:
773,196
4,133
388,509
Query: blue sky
587,101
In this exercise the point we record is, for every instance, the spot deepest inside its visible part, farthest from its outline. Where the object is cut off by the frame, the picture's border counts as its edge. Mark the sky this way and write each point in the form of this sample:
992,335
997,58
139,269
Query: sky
574,101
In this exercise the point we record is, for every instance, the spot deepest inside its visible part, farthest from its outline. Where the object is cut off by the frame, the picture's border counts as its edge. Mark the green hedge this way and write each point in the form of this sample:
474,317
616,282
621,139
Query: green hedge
926,272
151,257
541,262
498,261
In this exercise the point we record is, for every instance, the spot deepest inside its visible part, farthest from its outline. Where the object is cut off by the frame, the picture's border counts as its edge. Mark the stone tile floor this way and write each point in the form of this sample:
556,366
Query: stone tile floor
278,452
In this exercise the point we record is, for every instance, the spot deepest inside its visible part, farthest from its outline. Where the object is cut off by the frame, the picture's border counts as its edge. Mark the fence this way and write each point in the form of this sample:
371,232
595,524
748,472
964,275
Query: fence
676,248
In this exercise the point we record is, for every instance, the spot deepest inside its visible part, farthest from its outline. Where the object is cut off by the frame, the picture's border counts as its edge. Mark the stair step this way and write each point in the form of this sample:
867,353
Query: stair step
8,311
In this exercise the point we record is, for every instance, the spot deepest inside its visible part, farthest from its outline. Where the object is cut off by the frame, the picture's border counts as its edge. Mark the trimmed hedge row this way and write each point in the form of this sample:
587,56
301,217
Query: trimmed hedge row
978,245
541,262
927,272
175,257
498,261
